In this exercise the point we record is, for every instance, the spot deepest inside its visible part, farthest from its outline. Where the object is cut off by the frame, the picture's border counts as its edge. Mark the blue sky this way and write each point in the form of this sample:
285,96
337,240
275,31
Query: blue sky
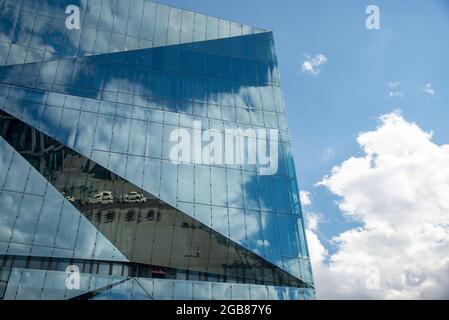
328,110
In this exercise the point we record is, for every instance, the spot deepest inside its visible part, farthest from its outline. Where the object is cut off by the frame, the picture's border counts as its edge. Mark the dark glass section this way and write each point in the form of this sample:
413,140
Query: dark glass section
4,278
144,228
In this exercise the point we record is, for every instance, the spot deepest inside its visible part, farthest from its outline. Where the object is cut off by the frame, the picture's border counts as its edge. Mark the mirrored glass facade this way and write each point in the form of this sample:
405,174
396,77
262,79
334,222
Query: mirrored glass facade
87,176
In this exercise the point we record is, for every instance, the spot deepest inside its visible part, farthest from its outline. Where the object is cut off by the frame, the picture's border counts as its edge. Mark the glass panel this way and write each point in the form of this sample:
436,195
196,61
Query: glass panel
30,286
202,184
103,132
135,18
17,175
276,293
240,292
203,214
187,26
174,26
288,236
185,183
68,227
163,289
161,26
35,184
202,290
212,28
219,190
149,17
235,193
6,154
220,220
49,218
254,232
117,163
271,245
85,244
151,175
120,134
224,28
92,13
9,206
236,227
258,292
281,195
199,33
83,141
168,181
54,286
27,219
154,144
221,291
68,125
183,290
134,169
236,29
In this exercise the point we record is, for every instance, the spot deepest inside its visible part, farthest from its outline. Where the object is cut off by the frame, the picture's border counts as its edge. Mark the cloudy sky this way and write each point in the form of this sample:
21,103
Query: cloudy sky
368,113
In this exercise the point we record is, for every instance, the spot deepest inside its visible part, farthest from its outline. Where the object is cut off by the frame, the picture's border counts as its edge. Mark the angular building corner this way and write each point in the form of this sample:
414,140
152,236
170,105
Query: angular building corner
92,205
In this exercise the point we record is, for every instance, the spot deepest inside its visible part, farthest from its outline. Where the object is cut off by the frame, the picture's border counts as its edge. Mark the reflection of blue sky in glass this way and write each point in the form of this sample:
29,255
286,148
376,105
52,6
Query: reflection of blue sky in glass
107,27
149,84
138,105
328,110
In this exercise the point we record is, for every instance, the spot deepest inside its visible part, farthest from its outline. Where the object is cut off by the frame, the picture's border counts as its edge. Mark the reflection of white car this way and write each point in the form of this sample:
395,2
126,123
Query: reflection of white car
68,197
134,197
103,197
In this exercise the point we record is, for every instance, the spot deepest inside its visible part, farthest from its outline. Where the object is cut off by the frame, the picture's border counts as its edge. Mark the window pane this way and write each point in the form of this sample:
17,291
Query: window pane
174,27
202,184
9,206
199,33
161,26
149,16
212,28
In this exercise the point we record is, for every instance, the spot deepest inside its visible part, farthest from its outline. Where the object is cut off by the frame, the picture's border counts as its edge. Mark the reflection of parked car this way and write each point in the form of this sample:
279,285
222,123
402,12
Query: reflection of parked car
158,273
134,197
103,197
68,197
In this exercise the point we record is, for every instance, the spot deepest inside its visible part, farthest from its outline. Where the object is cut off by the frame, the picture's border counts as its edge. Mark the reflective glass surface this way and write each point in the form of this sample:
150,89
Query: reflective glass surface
36,30
140,225
36,218
85,163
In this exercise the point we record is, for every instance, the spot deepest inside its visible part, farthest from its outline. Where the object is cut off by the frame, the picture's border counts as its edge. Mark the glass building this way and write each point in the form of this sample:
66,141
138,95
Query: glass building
92,205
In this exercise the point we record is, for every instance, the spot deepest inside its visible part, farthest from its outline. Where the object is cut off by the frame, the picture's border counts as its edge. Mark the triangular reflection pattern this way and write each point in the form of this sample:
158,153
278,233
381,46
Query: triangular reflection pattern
111,93
146,229
134,109
36,219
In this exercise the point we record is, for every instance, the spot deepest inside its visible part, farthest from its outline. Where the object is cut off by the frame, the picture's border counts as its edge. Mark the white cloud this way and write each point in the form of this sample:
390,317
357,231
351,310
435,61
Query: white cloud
328,154
305,198
394,92
313,220
394,84
428,89
398,190
311,64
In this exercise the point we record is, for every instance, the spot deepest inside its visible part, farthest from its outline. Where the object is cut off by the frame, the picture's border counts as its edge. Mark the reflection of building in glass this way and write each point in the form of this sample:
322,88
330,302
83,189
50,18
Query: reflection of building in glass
85,172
